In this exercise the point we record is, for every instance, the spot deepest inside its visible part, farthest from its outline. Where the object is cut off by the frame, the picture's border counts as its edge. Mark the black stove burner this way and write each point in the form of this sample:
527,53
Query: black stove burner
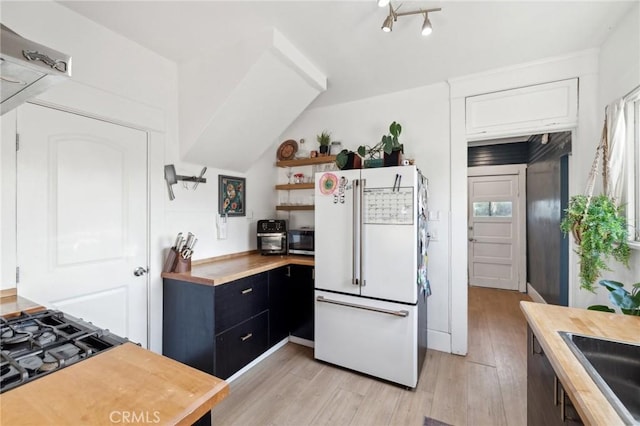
33,345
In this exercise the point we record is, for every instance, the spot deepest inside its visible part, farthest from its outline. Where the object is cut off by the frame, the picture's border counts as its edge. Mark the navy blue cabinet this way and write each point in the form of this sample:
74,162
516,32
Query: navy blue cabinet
301,289
188,324
279,304
220,329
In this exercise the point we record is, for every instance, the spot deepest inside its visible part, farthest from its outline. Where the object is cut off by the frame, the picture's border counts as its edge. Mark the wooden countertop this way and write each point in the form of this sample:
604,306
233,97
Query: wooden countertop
547,320
11,304
126,382
224,269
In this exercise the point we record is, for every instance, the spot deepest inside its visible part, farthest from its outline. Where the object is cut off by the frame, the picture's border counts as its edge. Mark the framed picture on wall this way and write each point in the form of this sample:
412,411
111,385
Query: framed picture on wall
231,195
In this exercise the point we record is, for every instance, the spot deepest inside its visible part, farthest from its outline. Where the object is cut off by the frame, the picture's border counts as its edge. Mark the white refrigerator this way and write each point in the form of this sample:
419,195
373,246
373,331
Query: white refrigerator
370,271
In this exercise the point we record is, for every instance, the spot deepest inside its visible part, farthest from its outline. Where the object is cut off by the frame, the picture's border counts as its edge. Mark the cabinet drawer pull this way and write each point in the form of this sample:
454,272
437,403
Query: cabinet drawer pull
248,336
247,290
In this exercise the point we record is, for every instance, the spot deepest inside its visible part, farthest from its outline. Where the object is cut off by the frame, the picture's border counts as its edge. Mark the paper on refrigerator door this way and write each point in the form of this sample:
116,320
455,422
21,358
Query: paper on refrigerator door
386,206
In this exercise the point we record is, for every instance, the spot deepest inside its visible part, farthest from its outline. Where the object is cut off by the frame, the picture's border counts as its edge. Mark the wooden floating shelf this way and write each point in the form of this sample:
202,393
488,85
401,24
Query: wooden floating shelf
290,186
306,161
296,207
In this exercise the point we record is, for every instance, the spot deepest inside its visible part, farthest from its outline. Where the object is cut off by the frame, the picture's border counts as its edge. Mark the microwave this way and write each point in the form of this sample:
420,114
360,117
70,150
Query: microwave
272,236
302,241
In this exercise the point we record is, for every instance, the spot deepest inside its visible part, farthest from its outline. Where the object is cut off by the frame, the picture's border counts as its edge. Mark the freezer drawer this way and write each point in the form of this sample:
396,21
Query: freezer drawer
377,338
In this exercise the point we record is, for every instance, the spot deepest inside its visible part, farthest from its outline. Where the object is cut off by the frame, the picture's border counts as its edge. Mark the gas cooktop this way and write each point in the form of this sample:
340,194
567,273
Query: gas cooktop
34,345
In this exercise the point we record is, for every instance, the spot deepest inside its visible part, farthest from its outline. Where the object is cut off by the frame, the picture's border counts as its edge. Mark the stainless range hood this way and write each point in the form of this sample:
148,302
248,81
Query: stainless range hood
27,68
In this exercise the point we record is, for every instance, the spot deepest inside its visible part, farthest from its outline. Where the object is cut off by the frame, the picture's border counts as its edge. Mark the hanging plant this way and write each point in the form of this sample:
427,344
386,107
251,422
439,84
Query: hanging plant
600,230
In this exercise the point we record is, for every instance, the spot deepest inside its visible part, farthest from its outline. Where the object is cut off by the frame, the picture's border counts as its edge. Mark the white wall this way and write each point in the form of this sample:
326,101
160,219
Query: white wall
118,80
424,116
619,73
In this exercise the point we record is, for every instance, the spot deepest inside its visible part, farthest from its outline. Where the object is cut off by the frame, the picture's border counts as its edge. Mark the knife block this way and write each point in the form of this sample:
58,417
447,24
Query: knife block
182,265
171,260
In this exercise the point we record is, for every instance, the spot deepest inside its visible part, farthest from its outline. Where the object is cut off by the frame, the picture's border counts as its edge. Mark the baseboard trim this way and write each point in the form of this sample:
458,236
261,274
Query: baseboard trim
257,360
439,341
301,341
535,296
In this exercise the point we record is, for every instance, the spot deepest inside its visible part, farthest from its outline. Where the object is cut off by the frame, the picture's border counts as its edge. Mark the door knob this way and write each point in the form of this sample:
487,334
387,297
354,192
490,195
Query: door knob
139,271
473,240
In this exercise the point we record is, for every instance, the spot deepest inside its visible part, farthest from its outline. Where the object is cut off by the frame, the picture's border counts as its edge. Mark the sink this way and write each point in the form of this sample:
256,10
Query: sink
615,368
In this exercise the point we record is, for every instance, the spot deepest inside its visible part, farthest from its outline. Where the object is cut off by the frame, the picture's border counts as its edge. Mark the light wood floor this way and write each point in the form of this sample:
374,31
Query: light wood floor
487,387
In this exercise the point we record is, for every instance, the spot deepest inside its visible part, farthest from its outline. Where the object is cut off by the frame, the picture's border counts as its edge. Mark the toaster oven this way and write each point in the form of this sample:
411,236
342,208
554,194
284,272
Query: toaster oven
272,236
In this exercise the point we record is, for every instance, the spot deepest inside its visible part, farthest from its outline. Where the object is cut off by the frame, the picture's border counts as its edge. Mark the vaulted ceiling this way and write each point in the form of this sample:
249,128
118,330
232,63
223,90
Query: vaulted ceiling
344,41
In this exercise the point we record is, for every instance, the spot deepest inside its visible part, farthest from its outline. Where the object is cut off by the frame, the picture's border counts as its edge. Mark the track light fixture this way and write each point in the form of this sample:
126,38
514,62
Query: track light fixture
387,25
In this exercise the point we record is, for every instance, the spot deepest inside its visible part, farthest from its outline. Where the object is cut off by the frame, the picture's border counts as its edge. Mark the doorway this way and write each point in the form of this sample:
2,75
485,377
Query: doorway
82,218
496,223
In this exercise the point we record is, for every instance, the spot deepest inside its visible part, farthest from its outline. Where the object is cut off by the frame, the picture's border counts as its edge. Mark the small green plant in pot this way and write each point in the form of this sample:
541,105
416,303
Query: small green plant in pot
347,160
389,146
324,139
600,230
628,302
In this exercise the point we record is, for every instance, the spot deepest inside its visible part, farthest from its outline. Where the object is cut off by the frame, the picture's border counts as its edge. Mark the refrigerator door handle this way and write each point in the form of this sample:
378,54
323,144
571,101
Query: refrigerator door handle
354,259
402,313
363,182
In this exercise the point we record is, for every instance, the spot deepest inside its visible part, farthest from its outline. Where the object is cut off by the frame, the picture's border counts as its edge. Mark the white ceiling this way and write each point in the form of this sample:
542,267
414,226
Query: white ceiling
343,38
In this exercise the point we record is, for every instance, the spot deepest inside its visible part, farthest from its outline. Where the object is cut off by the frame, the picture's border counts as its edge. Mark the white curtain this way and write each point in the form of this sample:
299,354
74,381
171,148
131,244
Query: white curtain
616,135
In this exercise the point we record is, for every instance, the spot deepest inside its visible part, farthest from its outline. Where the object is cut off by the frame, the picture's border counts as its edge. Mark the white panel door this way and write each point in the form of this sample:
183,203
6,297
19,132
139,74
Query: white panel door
494,231
389,234
336,236
82,227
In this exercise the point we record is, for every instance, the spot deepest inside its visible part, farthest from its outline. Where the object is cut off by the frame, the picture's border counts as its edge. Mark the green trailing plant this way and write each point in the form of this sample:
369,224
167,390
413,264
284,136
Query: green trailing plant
387,144
600,230
628,302
324,138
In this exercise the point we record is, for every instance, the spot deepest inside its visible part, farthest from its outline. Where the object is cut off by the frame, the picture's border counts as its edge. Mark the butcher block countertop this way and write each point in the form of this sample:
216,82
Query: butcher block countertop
12,304
547,320
223,269
126,384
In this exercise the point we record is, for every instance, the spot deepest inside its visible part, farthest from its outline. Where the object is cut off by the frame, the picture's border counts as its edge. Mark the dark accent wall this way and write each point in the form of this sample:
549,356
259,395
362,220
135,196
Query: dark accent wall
496,155
547,193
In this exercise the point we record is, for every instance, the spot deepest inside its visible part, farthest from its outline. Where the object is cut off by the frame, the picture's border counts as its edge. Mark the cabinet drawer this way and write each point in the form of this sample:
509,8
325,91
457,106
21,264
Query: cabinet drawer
241,344
239,300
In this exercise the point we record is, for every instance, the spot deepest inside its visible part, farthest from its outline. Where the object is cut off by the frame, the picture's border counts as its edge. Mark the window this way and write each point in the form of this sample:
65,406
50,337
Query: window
633,190
492,209
634,139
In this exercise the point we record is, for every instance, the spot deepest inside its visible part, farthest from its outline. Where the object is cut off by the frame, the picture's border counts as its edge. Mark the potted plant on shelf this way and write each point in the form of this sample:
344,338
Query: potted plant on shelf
600,230
389,148
347,160
628,302
324,139
372,155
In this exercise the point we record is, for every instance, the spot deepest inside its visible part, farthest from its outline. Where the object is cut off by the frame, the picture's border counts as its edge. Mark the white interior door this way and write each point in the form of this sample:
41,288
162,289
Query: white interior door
82,209
494,231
